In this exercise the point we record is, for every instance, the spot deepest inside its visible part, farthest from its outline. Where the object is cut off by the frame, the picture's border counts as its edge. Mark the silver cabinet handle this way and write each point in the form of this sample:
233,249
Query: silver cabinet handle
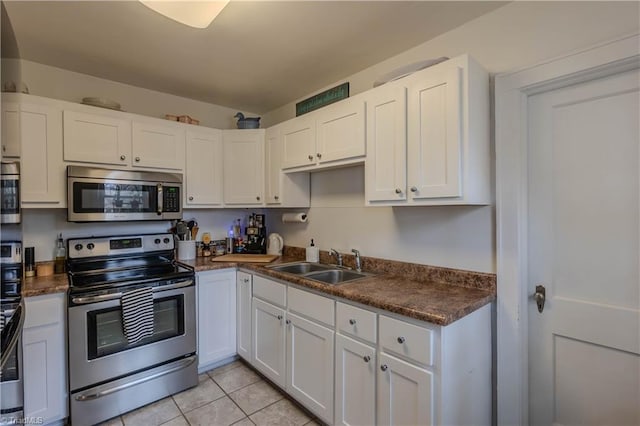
319,155
258,198
4,148
352,321
123,157
246,280
383,367
401,340
288,321
275,197
398,191
137,159
190,198
311,158
366,358
279,317
414,189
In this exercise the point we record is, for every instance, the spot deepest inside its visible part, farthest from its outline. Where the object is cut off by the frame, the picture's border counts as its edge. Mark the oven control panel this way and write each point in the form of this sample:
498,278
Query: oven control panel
126,244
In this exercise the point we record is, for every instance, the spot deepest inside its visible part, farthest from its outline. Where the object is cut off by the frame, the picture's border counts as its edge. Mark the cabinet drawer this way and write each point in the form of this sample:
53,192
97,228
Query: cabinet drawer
270,291
44,310
311,305
407,340
356,322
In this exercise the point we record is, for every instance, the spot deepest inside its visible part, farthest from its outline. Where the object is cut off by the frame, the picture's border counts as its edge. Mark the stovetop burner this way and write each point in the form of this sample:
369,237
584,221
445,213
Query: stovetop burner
110,262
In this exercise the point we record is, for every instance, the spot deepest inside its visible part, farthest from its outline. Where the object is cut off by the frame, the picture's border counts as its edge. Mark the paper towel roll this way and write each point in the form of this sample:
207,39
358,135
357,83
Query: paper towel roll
294,217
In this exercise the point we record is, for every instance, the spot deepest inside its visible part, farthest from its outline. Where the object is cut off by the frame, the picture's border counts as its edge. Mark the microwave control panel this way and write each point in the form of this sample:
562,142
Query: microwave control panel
171,199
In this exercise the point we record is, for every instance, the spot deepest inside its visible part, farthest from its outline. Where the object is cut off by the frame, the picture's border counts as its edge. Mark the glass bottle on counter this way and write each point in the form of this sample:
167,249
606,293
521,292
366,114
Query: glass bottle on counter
61,255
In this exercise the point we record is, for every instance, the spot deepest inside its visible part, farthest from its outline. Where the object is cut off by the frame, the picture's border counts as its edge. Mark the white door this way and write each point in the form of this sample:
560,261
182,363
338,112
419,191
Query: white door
243,166
340,131
203,172
157,146
216,316
273,165
584,364
243,312
355,398
10,129
269,341
310,365
299,141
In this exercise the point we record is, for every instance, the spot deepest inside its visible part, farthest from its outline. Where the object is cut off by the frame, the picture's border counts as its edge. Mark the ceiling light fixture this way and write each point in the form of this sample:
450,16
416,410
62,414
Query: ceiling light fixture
197,14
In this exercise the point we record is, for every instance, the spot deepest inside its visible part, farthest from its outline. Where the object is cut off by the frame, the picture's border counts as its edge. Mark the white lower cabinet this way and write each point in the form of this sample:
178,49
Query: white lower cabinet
45,358
405,393
243,314
355,379
269,341
310,365
216,316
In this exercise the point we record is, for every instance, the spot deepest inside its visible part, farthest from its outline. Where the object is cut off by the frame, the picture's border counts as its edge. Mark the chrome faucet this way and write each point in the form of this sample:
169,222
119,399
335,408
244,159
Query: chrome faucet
358,264
334,252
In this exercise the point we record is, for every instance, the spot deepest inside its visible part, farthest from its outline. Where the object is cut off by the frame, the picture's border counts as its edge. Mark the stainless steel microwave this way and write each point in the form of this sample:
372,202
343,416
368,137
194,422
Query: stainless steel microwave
105,195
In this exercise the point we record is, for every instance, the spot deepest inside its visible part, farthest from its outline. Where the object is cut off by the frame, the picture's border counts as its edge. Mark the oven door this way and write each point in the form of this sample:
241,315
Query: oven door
99,350
11,387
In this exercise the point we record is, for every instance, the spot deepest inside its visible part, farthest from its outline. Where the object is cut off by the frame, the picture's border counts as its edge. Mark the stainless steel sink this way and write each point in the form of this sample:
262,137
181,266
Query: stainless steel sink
328,274
300,268
335,276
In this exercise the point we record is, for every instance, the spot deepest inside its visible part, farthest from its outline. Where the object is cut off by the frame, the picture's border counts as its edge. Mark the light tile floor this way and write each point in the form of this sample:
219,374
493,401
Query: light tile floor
233,394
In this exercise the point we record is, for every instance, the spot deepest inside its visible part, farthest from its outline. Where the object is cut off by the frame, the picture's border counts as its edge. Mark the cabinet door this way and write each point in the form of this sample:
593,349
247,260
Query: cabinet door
203,171
273,166
243,167
243,312
299,142
434,115
44,358
386,164
405,393
310,365
340,131
158,146
355,382
216,316
269,341
10,129
95,138
43,171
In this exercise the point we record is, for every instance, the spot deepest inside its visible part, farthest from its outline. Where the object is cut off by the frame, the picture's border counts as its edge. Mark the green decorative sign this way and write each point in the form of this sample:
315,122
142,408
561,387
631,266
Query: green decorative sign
325,98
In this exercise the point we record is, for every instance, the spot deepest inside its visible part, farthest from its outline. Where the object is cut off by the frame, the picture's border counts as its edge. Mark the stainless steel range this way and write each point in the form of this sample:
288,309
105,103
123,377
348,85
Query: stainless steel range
131,323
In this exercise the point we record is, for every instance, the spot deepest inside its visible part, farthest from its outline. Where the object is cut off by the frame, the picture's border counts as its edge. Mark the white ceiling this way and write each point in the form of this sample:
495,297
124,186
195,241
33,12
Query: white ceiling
256,56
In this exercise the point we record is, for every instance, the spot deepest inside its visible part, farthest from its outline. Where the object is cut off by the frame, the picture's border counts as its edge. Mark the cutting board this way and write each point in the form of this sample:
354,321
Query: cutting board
249,258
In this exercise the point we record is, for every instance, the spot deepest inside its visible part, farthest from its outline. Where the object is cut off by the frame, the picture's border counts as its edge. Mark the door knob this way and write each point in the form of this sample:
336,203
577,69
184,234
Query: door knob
414,189
319,155
540,296
123,157
258,198
137,159
190,198
311,158
366,358
288,321
275,197
279,317
401,340
398,191
383,367
352,322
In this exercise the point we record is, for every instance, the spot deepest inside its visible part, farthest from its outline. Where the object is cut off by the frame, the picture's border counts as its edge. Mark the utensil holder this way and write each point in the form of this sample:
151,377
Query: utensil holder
186,250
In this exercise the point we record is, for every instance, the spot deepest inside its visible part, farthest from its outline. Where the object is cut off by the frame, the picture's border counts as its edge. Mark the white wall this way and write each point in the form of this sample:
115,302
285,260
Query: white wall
40,227
57,83
511,37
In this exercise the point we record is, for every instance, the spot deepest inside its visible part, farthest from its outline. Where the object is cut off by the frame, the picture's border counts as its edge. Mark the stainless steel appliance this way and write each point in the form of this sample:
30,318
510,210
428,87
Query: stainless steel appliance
11,252
10,195
104,195
11,321
109,375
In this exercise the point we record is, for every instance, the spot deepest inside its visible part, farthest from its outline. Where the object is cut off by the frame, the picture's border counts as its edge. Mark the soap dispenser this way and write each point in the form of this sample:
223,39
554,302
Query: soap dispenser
313,253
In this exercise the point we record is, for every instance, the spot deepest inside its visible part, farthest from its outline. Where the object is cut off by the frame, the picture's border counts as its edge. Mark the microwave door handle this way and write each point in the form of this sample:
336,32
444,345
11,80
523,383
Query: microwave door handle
160,200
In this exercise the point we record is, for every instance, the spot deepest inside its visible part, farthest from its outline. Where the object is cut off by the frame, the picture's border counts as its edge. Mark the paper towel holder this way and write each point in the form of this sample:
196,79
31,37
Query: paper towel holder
295,217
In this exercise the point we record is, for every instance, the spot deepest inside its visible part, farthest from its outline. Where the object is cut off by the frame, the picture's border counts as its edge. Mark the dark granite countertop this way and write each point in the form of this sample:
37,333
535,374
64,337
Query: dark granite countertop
436,295
414,294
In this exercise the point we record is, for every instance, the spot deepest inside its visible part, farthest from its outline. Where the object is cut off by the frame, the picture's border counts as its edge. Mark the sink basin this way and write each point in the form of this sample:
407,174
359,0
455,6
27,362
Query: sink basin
300,268
335,276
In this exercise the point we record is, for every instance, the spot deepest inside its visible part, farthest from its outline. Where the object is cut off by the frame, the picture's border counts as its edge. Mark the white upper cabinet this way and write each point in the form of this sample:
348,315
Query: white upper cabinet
447,137
10,129
330,137
97,138
157,146
340,131
282,190
43,171
386,163
243,167
298,142
203,171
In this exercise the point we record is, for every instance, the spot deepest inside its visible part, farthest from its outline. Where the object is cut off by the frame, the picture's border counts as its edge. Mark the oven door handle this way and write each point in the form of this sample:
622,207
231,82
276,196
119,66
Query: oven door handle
179,365
16,332
85,300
